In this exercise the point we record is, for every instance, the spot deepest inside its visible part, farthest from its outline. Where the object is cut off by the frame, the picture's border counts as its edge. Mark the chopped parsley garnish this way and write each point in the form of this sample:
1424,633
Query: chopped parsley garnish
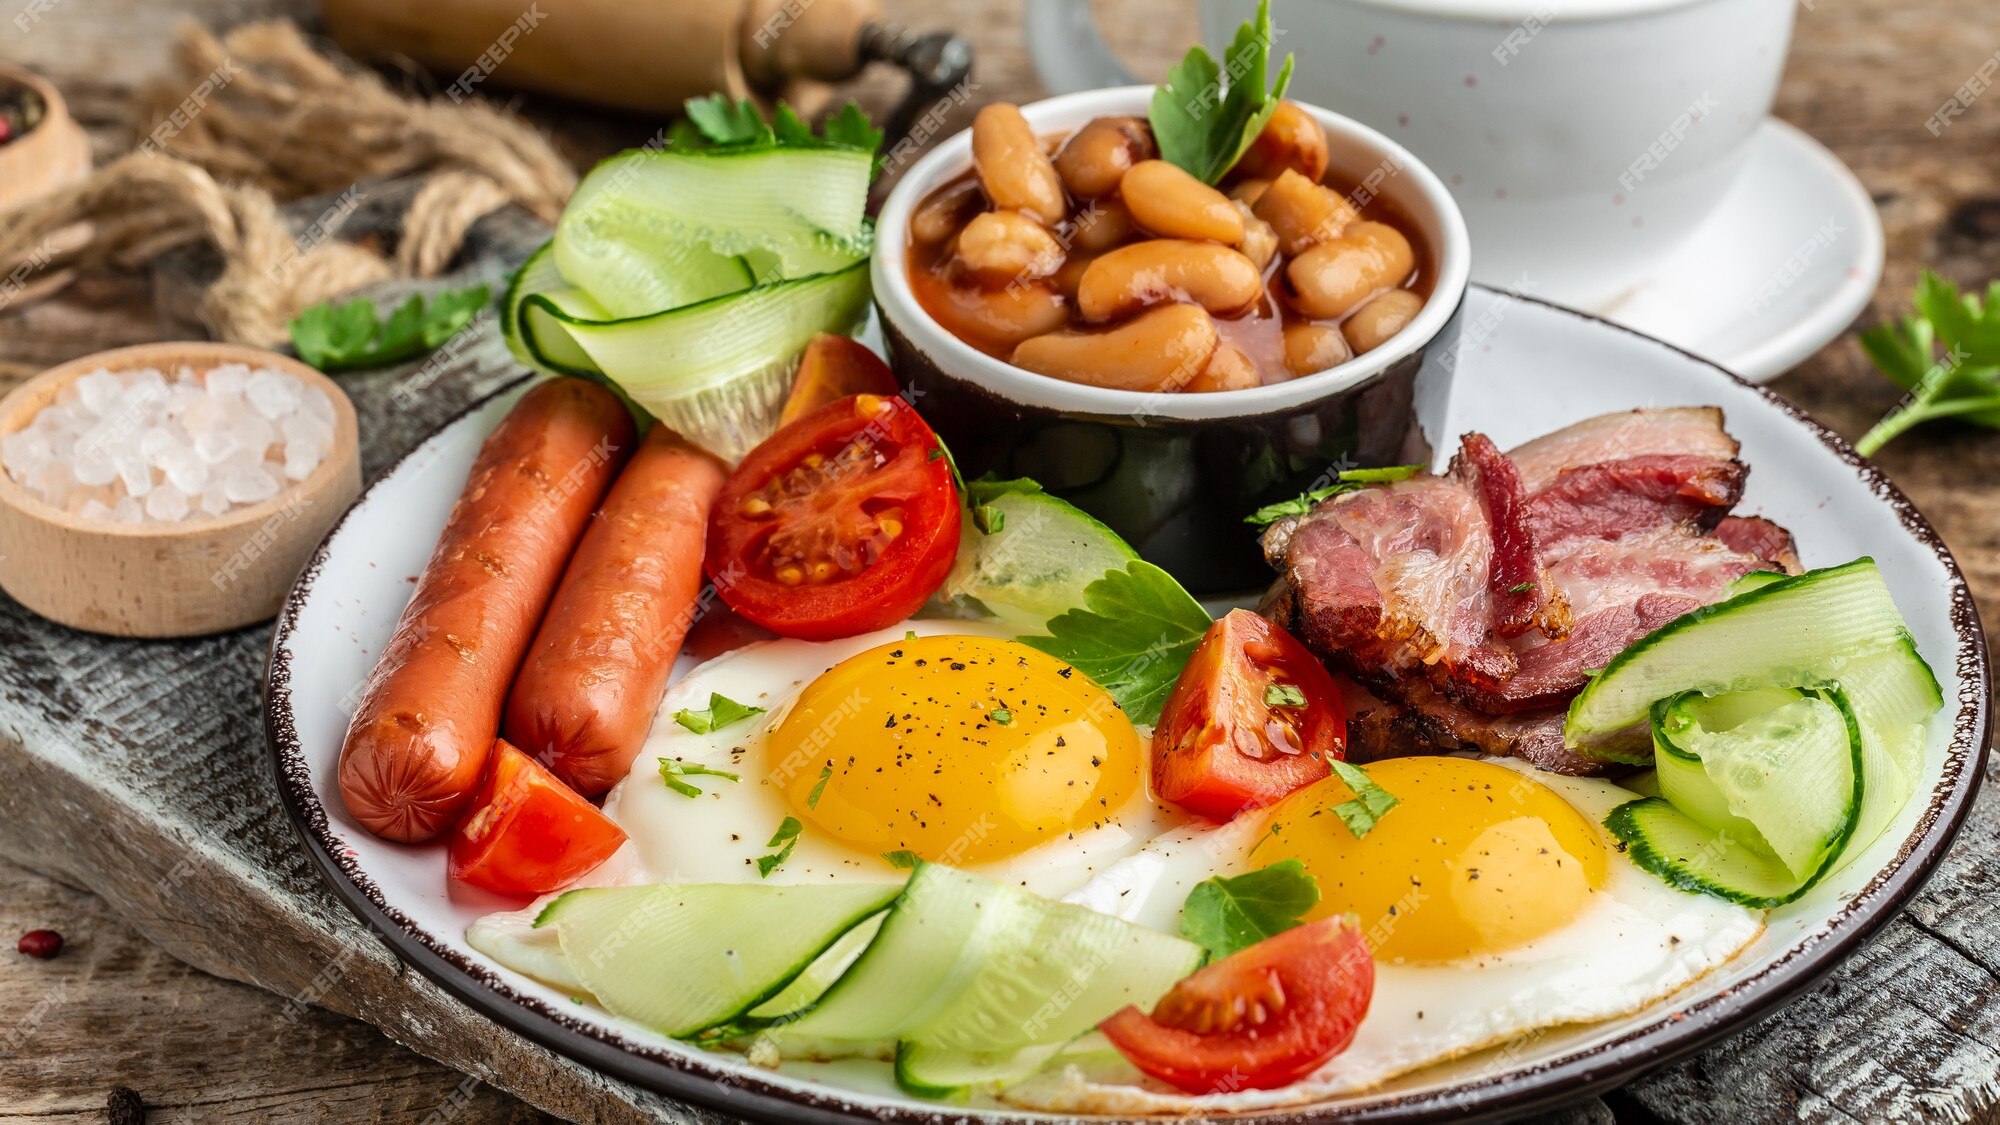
1348,480
902,859
671,772
784,839
1205,136
1520,587
819,788
1369,803
1001,716
1225,913
1284,695
721,712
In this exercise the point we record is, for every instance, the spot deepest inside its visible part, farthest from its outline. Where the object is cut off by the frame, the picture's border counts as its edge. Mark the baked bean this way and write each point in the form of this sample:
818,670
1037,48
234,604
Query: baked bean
1100,225
1303,212
999,247
1291,139
1260,242
999,318
1012,167
1159,350
1070,276
1166,269
1248,191
940,216
1311,347
1173,204
1098,155
1380,319
1227,370
1333,278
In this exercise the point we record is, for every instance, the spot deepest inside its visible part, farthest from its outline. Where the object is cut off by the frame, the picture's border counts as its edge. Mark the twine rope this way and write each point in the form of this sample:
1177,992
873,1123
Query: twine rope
257,117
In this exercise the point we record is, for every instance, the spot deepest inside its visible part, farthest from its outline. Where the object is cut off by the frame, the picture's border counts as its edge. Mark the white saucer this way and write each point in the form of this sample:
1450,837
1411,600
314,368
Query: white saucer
1782,267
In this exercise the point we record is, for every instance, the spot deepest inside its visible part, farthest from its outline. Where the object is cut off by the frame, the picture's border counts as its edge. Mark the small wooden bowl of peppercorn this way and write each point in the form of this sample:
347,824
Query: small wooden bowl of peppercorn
42,148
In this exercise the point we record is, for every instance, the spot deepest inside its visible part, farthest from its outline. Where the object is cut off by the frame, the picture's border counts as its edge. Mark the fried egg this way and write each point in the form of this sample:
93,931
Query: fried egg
943,740
1494,902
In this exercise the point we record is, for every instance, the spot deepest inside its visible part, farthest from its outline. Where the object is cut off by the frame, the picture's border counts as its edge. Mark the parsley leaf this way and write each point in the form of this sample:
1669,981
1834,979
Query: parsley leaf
1133,636
349,335
1963,383
1348,480
1225,914
819,787
671,772
902,859
1369,803
1201,128
1002,716
784,839
1284,695
717,122
721,712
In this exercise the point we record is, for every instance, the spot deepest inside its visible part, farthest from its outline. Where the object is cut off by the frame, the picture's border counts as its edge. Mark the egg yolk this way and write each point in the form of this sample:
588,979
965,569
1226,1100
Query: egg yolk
957,748
1474,858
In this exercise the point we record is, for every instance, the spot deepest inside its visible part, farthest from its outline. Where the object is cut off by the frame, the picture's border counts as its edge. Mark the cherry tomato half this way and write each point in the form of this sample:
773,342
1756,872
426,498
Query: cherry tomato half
1252,717
833,367
1261,1018
528,833
842,522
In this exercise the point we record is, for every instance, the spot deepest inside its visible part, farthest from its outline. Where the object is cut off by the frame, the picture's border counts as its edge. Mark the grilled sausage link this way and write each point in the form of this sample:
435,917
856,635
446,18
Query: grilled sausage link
431,709
598,669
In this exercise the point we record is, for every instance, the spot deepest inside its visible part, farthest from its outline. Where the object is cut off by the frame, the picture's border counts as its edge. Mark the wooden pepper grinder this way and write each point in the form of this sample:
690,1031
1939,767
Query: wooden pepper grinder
650,57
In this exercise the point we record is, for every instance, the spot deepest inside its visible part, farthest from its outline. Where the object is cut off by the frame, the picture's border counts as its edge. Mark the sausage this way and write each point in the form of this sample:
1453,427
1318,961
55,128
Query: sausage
430,711
598,669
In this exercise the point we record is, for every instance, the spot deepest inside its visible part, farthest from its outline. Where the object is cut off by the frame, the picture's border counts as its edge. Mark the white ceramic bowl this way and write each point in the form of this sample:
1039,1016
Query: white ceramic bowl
1175,473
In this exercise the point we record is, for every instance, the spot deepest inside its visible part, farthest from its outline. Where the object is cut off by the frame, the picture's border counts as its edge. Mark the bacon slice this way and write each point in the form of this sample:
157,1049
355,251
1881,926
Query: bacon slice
1615,498
1687,431
1522,596
1476,603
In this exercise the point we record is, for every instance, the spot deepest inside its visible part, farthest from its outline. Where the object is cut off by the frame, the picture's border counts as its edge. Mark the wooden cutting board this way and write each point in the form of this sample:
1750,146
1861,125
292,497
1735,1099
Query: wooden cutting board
138,770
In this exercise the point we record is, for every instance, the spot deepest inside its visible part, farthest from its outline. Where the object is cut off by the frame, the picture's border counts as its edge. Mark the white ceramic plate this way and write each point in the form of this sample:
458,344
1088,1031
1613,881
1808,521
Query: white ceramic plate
1782,266
1537,368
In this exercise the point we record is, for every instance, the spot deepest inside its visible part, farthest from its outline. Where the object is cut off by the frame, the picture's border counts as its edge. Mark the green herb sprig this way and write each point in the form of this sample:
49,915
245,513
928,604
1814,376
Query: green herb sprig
672,772
1369,803
1963,382
1133,635
1348,480
716,122
1204,129
1227,913
349,335
722,711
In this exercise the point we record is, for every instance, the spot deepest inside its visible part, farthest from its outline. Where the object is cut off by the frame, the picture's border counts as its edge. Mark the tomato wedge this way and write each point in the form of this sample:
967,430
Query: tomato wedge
528,833
831,367
841,523
1261,1018
1252,717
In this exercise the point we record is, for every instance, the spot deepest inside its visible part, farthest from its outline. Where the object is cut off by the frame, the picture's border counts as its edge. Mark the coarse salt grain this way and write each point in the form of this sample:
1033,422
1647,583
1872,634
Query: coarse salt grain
160,447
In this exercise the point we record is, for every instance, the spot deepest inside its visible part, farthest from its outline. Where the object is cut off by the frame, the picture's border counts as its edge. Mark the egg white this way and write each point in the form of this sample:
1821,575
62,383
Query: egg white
719,836
1635,943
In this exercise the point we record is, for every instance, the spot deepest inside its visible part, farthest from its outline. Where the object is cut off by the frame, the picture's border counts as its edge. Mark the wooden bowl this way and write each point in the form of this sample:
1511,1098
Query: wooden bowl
52,155
201,575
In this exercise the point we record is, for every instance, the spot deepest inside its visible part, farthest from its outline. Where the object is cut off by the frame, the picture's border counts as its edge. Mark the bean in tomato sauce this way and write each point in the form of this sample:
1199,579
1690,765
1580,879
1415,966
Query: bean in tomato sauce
1062,255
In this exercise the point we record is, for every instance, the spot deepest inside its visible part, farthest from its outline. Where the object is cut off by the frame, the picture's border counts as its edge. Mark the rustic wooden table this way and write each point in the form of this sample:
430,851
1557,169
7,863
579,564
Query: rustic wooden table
1908,1030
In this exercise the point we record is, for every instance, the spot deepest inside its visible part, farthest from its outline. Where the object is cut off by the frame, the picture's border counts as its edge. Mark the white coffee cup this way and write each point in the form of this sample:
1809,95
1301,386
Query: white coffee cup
1582,138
